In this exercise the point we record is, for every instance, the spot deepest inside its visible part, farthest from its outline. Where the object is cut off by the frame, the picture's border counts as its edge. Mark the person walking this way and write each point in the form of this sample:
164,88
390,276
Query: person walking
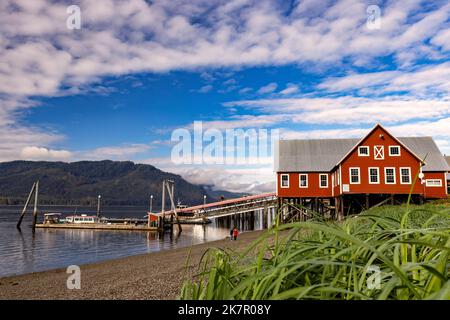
235,233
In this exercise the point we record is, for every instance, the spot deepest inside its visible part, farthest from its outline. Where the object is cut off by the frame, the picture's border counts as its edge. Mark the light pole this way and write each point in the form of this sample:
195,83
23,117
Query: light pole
151,203
98,205
204,199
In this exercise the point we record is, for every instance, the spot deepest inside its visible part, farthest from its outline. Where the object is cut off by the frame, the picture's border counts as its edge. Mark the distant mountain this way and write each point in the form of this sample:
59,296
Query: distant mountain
118,182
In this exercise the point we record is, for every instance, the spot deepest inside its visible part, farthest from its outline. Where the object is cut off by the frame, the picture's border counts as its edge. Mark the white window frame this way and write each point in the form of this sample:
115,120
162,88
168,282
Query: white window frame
320,180
433,180
299,181
350,175
362,154
385,175
409,175
281,180
380,149
378,175
394,155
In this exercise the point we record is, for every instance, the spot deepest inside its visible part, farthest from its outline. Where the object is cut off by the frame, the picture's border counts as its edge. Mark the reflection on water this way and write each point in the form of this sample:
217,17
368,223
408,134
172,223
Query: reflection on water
24,252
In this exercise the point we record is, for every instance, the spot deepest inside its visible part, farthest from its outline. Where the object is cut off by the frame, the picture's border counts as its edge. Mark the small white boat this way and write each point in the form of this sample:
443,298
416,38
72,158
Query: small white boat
84,218
52,218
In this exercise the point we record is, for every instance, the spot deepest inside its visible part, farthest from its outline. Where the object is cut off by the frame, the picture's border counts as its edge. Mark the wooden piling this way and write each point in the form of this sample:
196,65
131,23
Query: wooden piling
26,206
36,194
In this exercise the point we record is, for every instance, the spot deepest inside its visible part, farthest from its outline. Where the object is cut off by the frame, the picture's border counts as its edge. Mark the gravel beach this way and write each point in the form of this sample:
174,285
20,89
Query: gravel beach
156,275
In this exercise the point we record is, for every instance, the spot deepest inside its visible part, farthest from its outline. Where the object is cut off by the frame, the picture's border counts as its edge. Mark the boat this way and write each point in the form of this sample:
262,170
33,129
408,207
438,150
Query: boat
53,218
84,218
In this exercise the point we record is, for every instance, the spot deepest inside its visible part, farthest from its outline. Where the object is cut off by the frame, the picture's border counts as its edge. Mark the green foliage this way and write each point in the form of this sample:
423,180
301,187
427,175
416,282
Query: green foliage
321,259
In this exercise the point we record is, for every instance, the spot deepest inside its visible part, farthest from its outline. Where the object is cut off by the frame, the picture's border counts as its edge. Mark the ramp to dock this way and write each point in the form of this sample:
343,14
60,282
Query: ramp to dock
231,206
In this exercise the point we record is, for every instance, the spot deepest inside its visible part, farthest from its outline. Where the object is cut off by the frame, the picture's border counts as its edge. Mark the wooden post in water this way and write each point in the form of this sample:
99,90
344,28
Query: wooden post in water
163,203
36,194
171,190
25,207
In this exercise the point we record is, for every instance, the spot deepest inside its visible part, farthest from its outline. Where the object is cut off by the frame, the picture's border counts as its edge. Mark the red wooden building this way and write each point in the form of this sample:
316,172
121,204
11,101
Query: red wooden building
347,175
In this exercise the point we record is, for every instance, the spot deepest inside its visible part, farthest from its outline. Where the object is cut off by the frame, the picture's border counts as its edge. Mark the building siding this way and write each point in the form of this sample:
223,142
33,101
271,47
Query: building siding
406,159
294,190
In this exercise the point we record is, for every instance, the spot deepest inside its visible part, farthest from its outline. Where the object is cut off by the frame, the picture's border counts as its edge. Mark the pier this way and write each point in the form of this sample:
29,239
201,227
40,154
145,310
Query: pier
97,226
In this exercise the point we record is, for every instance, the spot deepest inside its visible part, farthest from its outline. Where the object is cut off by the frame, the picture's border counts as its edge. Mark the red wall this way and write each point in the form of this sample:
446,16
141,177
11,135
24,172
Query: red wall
435,192
294,190
406,159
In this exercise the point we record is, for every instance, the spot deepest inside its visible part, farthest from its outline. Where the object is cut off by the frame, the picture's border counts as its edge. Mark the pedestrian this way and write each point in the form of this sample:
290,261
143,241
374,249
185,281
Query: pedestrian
231,234
235,233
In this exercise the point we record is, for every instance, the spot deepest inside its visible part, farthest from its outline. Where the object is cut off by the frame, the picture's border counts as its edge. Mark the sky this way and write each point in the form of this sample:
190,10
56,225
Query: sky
136,71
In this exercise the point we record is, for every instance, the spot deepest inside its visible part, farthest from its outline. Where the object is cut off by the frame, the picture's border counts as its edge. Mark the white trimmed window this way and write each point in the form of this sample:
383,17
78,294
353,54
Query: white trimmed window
354,176
433,183
363,151
323,180
405,175
378,152
303,180
285,181
394,151
389,175
374,175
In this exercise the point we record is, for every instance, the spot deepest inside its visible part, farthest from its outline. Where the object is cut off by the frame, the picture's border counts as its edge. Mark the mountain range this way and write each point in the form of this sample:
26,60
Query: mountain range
79,183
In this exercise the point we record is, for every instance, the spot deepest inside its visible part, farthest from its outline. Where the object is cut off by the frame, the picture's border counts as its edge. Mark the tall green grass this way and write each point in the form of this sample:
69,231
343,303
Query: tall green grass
320,259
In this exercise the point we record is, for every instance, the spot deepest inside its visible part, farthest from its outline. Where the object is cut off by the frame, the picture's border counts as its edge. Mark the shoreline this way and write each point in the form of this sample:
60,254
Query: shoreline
156,275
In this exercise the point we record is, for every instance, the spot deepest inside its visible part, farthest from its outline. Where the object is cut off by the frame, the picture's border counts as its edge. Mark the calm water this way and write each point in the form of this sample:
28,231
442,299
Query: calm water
23,252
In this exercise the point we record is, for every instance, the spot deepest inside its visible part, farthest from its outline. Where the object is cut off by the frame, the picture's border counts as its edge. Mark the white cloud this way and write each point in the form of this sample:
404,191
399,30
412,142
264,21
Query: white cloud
206,88
271,87
428,80
442,39
346,109
290,89
122,152
40,153
235,179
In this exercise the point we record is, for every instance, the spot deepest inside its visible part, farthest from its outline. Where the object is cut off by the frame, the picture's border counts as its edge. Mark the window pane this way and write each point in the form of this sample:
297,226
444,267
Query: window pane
373,175
390,177
405,175
323,180
303,180
284,180
354,175
395,150
364,150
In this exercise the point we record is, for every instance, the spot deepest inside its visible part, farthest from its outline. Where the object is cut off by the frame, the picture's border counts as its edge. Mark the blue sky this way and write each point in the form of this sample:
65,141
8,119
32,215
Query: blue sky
136,71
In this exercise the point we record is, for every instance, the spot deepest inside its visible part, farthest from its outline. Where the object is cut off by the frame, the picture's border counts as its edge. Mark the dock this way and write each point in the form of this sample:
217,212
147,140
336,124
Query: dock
96,226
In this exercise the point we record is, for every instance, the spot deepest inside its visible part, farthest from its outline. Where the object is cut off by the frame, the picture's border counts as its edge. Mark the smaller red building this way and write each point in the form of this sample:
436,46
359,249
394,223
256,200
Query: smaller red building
360,170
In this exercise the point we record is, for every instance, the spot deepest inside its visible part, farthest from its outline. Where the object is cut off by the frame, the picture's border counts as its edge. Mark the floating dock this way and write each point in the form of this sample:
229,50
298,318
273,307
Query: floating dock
96,226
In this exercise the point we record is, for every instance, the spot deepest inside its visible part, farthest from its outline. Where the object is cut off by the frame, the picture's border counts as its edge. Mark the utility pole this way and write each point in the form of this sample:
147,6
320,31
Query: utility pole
204,200
151,203
98,205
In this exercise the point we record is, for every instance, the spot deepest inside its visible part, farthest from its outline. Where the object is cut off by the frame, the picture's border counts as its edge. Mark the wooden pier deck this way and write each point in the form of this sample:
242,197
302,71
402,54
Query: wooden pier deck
96,226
